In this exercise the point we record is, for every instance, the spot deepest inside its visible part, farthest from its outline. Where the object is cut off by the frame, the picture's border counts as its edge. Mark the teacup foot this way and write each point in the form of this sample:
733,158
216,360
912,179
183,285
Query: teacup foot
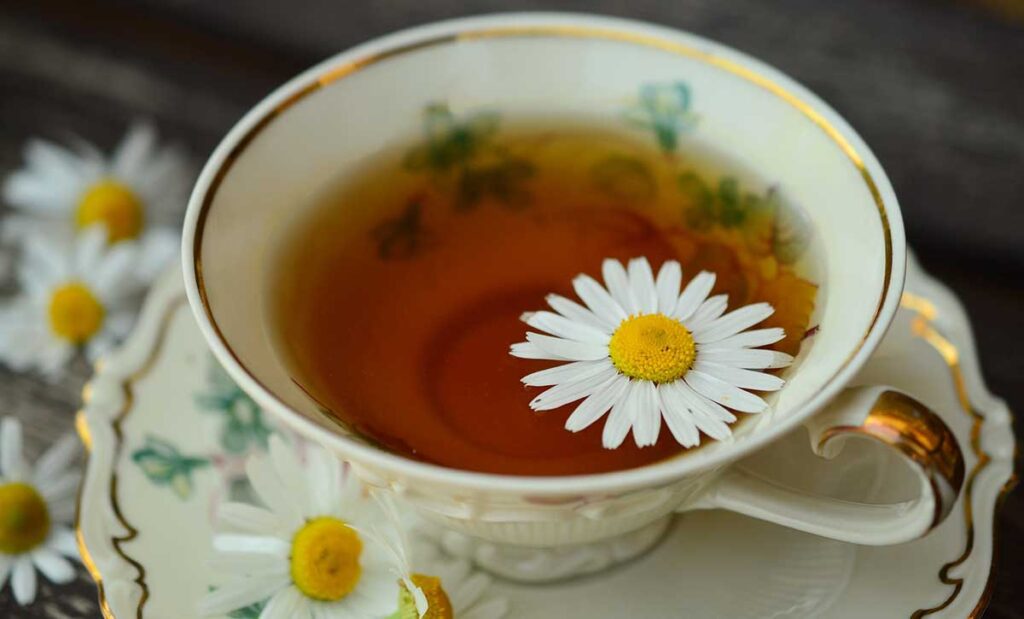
541,565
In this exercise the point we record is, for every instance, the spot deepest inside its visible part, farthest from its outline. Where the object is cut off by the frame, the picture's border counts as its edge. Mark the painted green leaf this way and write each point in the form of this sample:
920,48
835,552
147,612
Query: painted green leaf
244,426
730,207
624,178
404,236
450,142
249,612
699,207
502,181
664,109
164,465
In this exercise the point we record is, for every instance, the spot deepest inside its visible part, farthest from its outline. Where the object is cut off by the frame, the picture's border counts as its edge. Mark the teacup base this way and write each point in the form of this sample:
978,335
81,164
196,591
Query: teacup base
543,565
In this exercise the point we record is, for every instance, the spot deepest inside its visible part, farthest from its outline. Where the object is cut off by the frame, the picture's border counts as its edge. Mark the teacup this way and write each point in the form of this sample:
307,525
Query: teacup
297,141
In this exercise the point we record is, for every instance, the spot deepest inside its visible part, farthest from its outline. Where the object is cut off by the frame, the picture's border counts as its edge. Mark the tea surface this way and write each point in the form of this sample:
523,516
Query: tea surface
398,296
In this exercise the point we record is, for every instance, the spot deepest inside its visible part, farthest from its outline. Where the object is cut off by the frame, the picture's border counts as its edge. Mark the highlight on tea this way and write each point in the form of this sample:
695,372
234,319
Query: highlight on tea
398,296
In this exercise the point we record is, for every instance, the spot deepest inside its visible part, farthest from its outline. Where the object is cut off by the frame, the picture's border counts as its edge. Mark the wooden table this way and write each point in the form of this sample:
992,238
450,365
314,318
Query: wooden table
936,88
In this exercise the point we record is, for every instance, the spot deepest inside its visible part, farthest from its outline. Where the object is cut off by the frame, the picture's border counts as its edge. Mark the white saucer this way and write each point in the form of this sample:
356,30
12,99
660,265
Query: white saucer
168,435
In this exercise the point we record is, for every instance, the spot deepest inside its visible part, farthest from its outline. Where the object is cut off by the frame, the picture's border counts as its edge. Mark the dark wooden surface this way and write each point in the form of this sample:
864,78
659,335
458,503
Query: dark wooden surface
936,88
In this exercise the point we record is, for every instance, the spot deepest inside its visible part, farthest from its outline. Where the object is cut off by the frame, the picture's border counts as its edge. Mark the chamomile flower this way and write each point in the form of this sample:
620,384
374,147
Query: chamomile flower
136,193
35,506
452,589
73,296
307,554
648,352
432,586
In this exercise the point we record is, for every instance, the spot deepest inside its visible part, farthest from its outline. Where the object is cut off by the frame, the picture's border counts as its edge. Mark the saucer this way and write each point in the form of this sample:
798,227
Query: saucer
168,434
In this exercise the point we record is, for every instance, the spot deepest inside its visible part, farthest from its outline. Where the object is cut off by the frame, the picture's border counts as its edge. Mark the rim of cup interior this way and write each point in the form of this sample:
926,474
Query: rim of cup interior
564,24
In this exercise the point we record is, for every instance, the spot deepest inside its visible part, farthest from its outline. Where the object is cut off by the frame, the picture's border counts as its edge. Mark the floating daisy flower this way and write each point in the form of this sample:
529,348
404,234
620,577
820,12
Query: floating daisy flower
136,193
35,505
306,555
77,296
647,353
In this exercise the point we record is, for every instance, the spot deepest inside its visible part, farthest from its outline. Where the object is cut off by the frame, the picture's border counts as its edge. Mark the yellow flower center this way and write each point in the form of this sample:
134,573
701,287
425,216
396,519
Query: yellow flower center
325,559
114,205
438,604
75,312
652,347
24,518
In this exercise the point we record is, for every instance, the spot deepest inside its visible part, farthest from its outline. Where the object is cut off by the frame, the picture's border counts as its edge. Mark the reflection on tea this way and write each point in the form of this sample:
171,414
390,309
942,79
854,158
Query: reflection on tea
398,296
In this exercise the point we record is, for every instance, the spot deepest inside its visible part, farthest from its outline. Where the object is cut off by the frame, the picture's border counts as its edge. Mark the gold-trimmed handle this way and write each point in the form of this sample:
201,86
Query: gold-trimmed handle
883,414
905,424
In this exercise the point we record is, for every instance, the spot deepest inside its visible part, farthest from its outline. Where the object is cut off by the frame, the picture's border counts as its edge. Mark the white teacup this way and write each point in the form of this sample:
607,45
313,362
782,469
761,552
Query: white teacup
317,127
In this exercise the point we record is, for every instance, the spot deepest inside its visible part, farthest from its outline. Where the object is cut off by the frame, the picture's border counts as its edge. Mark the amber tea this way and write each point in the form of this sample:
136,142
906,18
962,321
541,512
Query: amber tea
397,298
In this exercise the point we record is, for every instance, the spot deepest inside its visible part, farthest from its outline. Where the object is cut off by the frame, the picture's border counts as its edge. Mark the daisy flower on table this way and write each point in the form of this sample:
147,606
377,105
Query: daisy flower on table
35,506
72,297
451,587
649,352
307,554
137,193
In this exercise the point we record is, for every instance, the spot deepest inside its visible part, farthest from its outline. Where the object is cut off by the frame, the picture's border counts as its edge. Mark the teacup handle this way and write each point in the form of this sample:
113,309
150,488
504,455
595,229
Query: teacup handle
886,415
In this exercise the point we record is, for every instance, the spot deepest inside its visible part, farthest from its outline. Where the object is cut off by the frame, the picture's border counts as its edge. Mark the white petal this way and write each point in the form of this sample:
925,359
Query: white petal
744,379
90,246
670,276
708,312
727,395
705,413
749,358
251,544
63,541
249,564
12,465
284,605
617,281
158,248
598,300
568,349
45,262
752,339
574,311
56,459
133,152
288,469
324,481
164,184
529,350
648,419
597,404
271,490
560,395
621,419
695,293
563,327
23,580
249,518
641,280
732,323
59,487
677,417
577,370
240,593
111,278
56,568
